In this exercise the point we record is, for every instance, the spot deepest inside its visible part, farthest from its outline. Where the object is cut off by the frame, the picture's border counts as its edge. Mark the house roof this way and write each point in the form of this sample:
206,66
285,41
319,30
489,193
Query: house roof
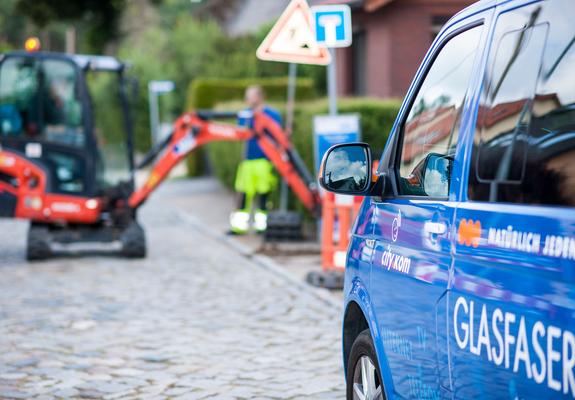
372,5
354,4
243,16
367,5
250,15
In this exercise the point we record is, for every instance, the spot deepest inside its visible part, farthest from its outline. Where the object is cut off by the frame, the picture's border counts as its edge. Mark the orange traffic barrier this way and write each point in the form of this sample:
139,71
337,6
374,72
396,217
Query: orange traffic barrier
338,215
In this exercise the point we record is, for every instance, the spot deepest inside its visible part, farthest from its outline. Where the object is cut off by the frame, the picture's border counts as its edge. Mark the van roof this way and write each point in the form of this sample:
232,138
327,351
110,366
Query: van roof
480,5
475,8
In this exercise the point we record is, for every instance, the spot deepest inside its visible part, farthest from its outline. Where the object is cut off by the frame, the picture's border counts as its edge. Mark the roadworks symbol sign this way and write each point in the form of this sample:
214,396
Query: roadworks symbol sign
292,38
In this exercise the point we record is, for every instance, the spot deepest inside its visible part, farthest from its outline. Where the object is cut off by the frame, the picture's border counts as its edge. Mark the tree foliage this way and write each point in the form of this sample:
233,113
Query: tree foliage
195,48
99,17
12,25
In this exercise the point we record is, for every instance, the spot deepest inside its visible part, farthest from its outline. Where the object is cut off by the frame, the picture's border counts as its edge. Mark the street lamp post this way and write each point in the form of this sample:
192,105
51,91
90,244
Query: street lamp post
155,89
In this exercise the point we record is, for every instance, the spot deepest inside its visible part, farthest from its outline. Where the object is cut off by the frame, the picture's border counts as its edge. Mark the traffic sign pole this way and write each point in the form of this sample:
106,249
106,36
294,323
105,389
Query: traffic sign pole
332,82
332,28
292,80
155,88
154,114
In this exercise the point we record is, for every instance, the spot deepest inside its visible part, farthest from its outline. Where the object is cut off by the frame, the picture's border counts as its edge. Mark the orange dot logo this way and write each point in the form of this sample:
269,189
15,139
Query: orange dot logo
469,233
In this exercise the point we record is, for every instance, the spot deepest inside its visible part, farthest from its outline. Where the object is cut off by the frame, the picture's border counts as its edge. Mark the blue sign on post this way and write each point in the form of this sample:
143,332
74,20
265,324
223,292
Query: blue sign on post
332,25
330,130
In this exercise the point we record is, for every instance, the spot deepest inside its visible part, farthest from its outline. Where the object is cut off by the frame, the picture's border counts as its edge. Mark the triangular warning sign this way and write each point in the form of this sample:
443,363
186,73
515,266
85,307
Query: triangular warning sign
292,39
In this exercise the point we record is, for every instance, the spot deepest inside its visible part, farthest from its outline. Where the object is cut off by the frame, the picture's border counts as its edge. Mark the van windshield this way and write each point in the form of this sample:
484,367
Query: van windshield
39,101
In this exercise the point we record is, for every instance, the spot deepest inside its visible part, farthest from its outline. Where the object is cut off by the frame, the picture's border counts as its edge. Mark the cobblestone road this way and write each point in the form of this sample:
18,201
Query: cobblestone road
194,320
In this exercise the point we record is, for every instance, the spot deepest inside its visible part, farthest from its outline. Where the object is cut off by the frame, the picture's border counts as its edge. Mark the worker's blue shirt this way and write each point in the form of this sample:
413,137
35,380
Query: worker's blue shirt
246,119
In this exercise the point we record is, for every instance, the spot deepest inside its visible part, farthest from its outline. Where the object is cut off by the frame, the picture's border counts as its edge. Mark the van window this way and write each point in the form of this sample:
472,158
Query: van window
524,147
430,127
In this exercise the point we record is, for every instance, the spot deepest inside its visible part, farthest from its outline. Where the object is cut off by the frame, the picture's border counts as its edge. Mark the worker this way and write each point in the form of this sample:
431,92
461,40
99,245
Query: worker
255,176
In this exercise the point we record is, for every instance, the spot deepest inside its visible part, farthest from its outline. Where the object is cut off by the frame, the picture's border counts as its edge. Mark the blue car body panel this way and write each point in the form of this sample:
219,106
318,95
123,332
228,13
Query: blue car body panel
467,299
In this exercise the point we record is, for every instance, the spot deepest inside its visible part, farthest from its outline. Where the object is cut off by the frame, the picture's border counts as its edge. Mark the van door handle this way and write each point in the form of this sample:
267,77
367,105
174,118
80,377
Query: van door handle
435,228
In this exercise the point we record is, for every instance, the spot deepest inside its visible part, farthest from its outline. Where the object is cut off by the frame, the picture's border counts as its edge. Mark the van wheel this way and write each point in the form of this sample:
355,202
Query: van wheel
363,374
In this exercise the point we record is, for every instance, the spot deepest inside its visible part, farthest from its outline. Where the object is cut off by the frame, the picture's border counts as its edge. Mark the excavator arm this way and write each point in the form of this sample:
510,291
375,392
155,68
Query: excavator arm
195,129
277,147
190,132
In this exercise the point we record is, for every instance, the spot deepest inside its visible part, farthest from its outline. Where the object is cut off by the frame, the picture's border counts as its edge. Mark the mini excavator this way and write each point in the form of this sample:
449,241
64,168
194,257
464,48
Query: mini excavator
68,170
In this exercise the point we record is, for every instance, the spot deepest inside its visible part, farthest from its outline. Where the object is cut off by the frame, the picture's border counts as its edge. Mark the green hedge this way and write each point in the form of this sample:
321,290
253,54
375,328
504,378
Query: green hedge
205,93
377,118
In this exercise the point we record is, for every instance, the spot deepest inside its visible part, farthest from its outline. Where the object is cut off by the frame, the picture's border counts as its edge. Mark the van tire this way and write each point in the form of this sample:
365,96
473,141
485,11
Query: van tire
362,348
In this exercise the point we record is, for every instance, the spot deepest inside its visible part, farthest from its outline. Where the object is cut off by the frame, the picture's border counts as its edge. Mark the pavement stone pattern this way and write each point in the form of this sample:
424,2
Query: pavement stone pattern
195,320
216,203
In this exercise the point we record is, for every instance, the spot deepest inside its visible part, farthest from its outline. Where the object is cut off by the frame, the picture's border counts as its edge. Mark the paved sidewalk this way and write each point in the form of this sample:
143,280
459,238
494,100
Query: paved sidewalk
195,320
211,204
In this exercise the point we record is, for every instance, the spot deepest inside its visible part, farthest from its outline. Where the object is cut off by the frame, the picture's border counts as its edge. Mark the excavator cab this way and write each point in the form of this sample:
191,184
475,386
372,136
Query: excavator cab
68,116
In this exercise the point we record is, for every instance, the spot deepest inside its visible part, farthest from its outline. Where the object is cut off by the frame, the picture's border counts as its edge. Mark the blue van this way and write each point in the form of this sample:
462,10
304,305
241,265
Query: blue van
460,278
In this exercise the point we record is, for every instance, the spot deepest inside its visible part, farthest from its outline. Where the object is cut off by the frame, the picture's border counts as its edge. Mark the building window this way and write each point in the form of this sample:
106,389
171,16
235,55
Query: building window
358,66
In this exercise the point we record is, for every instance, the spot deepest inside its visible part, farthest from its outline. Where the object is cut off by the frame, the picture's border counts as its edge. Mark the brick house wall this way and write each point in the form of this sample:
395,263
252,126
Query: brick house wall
396,35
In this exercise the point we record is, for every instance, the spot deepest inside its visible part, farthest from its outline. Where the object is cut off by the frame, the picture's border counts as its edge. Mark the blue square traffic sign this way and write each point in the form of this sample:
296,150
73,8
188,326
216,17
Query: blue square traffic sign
334,129
332,24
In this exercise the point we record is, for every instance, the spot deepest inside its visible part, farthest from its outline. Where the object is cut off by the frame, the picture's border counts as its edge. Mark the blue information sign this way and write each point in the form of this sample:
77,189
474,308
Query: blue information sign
330,130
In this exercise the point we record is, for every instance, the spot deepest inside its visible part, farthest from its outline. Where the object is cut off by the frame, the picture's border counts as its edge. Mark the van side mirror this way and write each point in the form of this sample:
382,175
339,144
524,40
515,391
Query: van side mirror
346,169
436,175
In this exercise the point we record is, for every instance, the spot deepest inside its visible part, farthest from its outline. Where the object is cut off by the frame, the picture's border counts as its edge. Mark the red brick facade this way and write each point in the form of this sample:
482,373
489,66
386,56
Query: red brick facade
396,35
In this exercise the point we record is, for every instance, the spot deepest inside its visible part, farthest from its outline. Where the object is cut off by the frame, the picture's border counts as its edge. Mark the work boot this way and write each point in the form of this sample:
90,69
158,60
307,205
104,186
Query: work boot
260,221
239,222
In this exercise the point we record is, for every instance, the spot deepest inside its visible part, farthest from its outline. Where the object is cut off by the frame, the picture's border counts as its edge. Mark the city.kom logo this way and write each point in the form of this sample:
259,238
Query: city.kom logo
469,233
